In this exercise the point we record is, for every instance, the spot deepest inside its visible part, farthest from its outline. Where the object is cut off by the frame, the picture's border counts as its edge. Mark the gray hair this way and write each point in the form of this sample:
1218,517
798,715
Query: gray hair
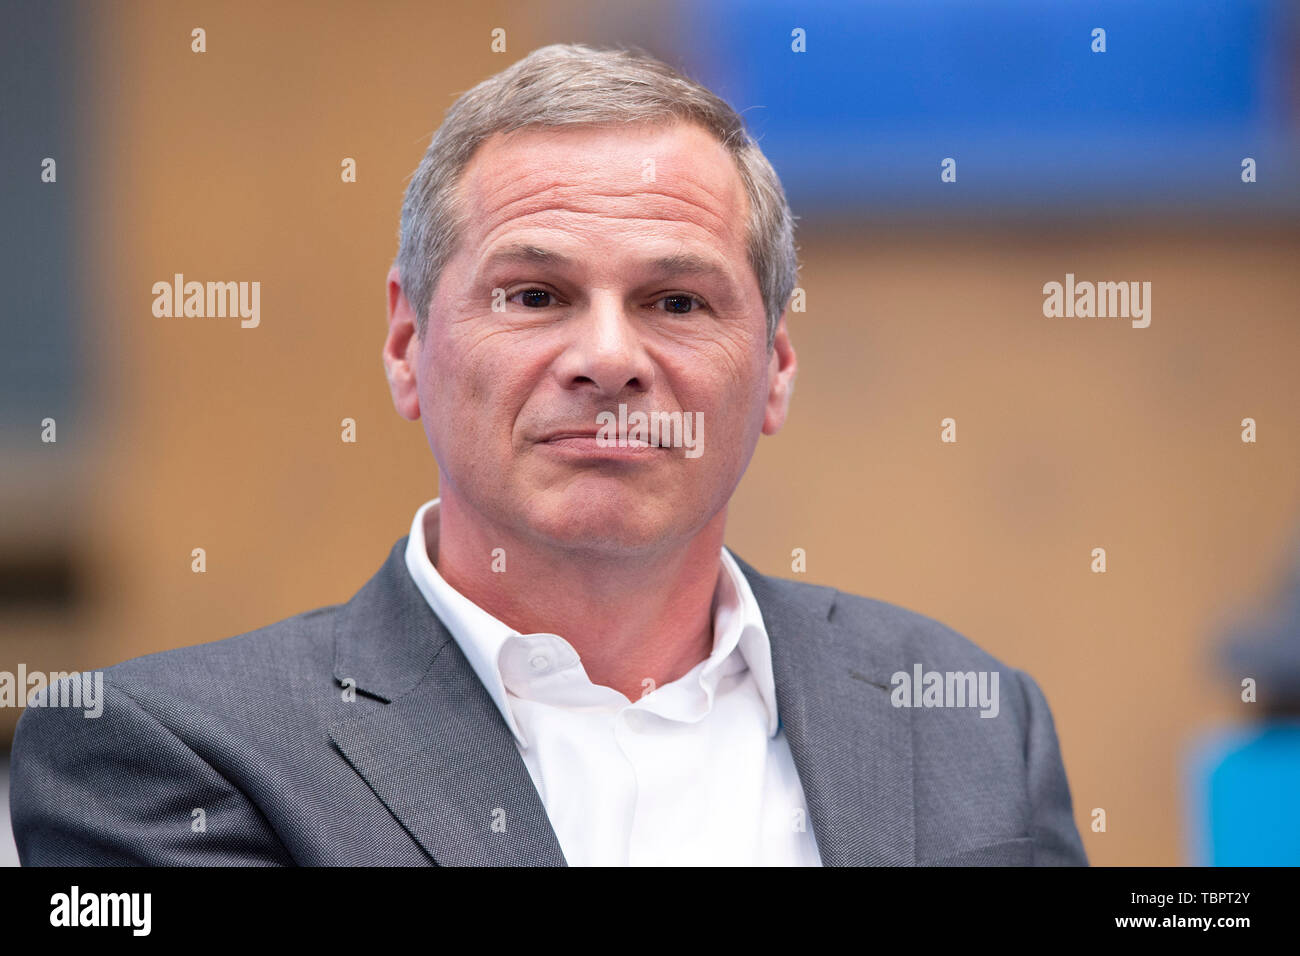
569,85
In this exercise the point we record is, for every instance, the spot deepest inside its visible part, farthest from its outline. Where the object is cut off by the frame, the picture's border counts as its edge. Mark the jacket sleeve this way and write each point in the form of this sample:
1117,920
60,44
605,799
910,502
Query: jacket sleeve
123,789
1055,836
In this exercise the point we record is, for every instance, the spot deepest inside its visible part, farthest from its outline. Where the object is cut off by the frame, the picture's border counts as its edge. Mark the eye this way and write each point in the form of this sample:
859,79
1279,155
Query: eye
681,303
534,298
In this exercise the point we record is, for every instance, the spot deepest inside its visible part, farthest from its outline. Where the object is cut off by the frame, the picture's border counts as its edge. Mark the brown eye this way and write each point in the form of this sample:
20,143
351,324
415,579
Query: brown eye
535,298
679,304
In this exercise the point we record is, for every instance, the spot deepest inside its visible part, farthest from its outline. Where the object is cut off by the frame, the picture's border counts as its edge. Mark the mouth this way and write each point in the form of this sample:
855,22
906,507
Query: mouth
585,444
559,436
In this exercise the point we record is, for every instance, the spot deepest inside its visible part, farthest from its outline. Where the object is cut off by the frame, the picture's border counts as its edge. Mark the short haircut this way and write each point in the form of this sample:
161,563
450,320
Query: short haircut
579,85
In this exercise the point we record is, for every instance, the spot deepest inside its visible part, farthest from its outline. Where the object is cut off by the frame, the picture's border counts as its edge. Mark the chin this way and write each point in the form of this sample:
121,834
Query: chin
615,523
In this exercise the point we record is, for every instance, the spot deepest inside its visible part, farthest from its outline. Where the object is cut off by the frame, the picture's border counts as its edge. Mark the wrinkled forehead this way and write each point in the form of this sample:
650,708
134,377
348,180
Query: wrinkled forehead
676,173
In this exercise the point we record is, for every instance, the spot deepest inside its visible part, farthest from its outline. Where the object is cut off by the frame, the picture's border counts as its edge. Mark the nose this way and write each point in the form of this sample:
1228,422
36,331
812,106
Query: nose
605,351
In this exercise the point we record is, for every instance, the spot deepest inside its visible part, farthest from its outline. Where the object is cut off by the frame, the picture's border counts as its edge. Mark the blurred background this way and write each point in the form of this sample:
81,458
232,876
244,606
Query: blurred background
924,301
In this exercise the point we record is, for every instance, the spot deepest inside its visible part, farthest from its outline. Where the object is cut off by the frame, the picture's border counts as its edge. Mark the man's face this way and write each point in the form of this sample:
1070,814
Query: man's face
618,266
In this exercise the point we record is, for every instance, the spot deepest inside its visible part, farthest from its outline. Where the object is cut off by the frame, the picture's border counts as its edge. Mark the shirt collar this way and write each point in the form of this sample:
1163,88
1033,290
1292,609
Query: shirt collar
737,623
753,642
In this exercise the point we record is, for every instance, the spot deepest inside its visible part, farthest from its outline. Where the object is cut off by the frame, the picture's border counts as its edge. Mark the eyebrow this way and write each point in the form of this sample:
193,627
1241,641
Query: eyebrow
688,263
524,254
679,263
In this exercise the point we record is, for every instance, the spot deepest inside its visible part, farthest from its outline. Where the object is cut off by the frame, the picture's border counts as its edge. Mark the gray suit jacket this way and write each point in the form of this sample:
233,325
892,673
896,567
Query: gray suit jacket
256,732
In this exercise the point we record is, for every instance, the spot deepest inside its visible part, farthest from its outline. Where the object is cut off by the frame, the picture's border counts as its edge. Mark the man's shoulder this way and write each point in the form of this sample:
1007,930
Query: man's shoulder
877,641
926,639
891,629
274,658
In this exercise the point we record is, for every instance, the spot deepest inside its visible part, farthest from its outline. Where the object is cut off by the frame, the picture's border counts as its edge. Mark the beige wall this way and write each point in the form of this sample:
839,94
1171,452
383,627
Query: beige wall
1072,433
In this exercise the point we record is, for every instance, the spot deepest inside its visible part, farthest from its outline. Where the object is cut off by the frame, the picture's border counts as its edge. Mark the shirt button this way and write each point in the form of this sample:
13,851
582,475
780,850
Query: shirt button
540,662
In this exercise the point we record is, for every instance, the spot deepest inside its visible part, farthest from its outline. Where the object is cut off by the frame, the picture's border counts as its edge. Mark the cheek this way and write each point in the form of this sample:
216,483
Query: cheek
731,391
749,410
733,383
478,387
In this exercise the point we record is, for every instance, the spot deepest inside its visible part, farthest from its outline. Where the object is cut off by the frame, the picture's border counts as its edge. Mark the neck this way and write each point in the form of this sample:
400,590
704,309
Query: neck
632,621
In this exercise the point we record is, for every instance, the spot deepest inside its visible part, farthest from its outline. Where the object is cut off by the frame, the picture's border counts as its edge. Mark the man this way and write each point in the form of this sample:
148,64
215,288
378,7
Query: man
561,663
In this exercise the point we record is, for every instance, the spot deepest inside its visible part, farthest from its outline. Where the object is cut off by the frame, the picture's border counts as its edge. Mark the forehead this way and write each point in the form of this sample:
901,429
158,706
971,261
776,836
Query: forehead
674,178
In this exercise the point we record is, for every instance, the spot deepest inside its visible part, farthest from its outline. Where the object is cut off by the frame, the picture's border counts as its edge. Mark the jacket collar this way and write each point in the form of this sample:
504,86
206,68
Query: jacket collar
442,759
438,755
851,747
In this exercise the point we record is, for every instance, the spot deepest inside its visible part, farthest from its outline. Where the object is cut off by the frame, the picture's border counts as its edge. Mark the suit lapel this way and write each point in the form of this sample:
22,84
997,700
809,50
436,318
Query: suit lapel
443,761
439,755
851,747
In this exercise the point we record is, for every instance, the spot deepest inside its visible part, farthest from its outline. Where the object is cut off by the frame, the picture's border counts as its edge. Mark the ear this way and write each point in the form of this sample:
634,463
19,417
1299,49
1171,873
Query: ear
781,369
401,350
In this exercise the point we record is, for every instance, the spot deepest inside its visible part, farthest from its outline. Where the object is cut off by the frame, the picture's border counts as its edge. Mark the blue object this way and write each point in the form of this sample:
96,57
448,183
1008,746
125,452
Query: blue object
1245,797
1013,91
